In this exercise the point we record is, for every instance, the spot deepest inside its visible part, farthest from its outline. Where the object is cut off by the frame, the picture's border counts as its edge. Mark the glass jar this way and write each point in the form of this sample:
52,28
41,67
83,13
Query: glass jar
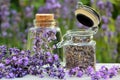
79,48
44,36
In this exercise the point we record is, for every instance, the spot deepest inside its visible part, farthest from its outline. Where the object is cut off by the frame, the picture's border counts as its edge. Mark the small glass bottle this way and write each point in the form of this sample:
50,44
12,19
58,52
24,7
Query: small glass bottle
44,36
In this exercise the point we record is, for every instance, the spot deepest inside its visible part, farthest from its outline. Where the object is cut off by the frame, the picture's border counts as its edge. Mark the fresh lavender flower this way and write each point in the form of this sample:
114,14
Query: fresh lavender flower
14,51
29,12
55,57
4,14
104,72
3,51
10,75
20,63
79,74
109,6
109,34
72,72
51,6
96,76
101,4
90,71
104,27
105,19
113,71
2,65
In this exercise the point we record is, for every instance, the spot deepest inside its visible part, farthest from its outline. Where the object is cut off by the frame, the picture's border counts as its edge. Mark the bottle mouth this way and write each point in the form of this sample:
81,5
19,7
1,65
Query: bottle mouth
83,32
87,16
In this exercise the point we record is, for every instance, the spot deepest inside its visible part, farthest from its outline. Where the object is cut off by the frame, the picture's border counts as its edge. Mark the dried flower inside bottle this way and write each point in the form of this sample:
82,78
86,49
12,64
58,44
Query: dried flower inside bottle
44,36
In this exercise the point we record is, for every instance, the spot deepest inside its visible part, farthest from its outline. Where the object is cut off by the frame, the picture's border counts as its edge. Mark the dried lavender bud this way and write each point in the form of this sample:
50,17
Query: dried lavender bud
78,39
82,56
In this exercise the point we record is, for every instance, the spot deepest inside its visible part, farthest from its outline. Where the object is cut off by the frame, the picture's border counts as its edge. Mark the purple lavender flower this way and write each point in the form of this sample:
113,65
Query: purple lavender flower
4,14
72,72
5,25
90,71
79,74
55,57
1,75
33,64
14,51
4,33
109,34
96,76
109,6
105,19
51,6
29,11
104,72
10,75
3,51
113,71
92,1
48,54
2,65
104,27
14,58
25,61
101,4
7,61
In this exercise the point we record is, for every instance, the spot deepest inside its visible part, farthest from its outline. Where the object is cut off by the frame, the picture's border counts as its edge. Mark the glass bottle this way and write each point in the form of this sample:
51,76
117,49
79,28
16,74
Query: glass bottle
78,45
44,36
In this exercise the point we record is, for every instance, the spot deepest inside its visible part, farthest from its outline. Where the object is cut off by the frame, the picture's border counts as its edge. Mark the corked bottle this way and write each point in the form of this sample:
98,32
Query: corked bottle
79,46
44,36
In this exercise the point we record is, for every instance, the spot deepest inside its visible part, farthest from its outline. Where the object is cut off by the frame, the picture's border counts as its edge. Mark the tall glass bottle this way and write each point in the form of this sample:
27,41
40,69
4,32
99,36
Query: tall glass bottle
44,36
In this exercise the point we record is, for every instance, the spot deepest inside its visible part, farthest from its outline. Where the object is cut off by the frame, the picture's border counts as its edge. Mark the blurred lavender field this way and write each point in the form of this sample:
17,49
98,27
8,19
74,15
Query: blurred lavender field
16,17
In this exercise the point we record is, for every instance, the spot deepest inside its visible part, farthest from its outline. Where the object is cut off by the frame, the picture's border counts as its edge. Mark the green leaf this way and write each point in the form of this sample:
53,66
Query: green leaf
112,25
116,2
38,3
85,1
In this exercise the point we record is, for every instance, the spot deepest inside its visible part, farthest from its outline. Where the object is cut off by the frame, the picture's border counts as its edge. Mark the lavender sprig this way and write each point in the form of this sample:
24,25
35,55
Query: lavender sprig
20,63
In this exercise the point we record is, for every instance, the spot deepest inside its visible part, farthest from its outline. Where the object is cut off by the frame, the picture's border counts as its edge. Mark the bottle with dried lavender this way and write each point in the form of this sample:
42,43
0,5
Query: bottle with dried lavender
45,35
79,46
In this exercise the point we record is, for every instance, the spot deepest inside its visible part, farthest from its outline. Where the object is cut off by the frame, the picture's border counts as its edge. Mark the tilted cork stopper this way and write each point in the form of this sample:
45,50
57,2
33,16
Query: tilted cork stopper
44,20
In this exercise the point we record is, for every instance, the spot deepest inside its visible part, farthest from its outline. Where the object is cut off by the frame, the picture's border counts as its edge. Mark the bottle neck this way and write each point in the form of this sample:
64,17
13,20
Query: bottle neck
44,24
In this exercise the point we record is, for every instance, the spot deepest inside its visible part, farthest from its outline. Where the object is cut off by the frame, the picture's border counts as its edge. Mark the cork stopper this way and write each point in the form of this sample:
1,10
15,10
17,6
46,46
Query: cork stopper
44,17
44,20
